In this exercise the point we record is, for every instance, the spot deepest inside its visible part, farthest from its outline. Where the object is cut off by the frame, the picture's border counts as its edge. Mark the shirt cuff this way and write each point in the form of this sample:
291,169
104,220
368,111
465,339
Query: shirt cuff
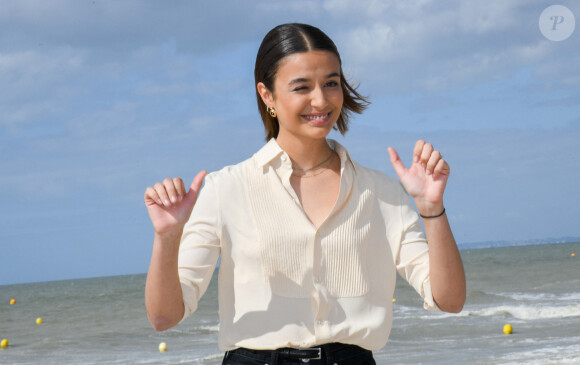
189,300
428,301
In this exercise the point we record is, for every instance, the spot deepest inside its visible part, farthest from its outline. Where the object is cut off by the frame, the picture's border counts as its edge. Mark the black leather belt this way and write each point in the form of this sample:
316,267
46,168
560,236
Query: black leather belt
314,353
306,354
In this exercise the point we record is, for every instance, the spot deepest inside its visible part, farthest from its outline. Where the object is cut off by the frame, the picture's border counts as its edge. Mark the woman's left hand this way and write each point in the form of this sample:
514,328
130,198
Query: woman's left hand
426,179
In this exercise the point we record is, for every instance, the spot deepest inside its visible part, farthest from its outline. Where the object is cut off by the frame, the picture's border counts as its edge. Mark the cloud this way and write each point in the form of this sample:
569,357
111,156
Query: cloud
35,81
403,46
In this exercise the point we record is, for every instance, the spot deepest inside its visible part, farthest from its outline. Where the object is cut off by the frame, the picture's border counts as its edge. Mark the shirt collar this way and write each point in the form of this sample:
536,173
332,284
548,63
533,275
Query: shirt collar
268,152
272,150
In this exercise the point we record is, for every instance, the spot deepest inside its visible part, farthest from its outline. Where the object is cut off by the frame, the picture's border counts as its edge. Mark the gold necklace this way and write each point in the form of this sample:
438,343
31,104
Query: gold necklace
323,166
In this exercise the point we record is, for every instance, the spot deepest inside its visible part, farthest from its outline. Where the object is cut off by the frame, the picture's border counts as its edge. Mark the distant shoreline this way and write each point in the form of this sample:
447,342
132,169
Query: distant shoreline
507,243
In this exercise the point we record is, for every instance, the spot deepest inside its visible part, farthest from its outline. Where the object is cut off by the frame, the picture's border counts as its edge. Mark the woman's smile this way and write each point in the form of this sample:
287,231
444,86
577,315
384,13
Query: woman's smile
317,119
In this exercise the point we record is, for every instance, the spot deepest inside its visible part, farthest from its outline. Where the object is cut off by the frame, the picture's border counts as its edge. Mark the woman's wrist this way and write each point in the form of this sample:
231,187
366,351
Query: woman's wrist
427,210
169,238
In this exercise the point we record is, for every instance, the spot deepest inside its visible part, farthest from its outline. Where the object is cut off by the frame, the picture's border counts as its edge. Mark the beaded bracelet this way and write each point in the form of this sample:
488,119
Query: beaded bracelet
433,216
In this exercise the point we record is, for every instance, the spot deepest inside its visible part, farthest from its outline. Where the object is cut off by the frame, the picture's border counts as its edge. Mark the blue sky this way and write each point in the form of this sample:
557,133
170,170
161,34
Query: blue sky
100,99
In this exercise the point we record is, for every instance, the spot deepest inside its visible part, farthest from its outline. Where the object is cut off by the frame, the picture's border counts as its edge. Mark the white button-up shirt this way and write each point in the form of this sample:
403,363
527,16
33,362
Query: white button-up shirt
285,283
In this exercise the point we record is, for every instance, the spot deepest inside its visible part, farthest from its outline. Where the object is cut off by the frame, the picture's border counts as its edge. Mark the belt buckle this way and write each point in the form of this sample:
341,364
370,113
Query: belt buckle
319,354
318,357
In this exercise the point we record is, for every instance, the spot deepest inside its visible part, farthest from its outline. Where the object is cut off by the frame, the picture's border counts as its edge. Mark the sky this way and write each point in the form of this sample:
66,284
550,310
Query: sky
100,99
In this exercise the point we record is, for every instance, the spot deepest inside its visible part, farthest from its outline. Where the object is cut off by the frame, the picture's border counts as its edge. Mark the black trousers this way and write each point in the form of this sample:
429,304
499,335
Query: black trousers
329,354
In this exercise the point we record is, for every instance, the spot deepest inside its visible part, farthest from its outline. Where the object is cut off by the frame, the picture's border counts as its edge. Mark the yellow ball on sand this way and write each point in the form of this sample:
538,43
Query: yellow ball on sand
12,301
38,320
572,254
394,300
162,347
507,329
4,344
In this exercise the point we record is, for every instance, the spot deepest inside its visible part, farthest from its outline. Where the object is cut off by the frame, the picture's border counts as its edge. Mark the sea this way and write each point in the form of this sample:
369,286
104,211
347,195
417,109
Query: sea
535,289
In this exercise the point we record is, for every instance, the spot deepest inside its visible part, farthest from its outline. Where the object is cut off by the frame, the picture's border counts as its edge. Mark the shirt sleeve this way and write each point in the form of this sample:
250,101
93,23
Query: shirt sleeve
199,250
413,258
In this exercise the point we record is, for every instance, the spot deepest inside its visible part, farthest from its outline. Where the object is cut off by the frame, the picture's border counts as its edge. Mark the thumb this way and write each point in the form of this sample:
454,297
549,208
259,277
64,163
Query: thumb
396,162
196,185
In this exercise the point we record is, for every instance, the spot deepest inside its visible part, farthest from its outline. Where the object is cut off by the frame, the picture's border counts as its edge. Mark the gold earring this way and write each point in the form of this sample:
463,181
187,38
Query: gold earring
272,112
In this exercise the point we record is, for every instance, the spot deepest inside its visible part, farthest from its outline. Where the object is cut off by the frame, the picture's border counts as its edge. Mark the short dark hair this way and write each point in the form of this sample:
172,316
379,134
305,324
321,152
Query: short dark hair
287,39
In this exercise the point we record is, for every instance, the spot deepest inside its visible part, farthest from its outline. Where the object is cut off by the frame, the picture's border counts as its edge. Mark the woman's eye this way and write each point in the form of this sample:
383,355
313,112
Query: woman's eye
332,83
300,88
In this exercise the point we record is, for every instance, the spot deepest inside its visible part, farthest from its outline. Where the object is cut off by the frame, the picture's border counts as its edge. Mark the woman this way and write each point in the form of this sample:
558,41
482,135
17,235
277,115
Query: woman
310,241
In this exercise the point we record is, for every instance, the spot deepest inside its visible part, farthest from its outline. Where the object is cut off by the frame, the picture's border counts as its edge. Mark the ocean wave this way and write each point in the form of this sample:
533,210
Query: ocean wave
528,296
523,312
527,312
571,297
214,328
541,296
555,354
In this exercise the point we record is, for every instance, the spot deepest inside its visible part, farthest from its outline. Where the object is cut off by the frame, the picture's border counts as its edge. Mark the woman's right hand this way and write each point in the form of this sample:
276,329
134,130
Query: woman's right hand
169,205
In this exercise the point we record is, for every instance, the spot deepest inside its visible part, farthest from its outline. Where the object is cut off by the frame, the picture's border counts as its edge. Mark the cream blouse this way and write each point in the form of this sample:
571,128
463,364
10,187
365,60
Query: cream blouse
285,283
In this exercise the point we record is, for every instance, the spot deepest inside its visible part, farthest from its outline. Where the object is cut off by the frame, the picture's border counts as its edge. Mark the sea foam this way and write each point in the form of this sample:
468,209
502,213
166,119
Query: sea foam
527,312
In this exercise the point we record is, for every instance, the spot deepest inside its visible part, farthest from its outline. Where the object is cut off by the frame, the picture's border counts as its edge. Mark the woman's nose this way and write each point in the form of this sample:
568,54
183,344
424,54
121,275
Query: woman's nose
319,98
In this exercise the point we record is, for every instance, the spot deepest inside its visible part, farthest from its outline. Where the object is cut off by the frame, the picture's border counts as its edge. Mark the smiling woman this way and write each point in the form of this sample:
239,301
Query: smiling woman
310,241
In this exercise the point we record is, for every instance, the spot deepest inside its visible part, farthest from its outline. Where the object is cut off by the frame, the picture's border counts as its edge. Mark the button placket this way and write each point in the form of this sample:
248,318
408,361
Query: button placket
316,261
285,172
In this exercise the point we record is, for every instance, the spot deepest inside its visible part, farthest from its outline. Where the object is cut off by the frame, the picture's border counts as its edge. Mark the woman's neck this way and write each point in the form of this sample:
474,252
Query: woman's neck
305,154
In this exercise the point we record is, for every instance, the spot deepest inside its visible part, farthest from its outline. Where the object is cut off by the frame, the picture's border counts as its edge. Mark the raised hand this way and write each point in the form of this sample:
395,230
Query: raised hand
426,179
169,205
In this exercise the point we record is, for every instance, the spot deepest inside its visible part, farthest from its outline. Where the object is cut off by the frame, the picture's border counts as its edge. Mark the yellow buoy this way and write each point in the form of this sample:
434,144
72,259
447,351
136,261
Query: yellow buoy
12,301
3,344
572,254
507,329
162,347
38,320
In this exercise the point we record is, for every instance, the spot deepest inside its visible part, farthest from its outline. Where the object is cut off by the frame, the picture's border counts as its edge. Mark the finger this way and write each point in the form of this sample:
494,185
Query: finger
152,196
196,185
179,188
432,162
426,153
171,191
417,150
396,162
442,167
160,190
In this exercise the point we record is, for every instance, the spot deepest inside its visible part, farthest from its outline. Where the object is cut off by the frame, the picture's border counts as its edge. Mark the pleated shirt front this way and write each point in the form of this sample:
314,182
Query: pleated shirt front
284,282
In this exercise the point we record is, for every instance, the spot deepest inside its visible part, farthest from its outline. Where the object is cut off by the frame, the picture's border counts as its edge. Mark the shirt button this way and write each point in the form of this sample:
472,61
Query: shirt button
284,158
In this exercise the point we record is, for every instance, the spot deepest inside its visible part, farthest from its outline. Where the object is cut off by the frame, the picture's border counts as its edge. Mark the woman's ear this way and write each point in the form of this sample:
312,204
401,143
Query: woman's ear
266,94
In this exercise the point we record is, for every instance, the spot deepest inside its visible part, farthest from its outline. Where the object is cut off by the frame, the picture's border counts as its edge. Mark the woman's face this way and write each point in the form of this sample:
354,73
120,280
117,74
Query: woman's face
307,94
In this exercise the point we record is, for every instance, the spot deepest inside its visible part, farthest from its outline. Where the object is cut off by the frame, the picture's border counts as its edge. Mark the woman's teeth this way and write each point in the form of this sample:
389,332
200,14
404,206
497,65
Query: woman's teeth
318,117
